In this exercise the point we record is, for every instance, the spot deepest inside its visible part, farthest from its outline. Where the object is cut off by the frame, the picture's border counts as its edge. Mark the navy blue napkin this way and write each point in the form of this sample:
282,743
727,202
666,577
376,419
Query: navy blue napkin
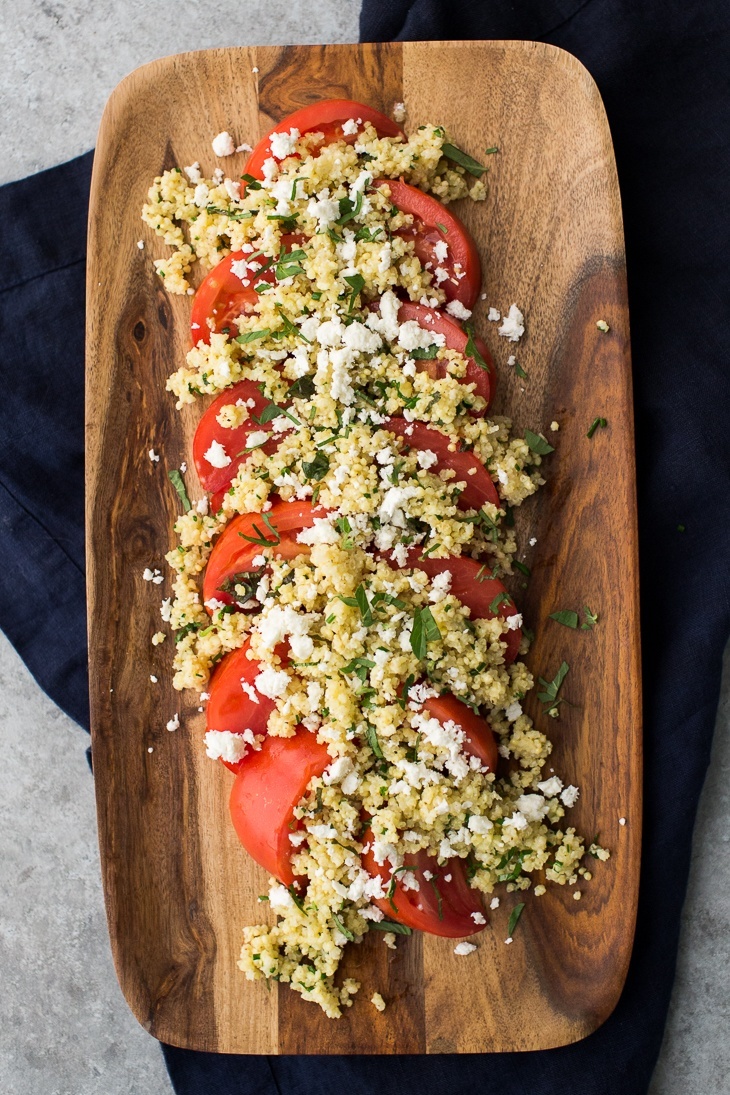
662,69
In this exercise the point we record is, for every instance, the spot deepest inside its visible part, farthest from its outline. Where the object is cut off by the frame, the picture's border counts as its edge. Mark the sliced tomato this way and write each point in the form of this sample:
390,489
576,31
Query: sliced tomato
233,440
431,319
479,739
223,296
438,906
327,117
479,486
230,707
265,793
434,224
233,553
477,593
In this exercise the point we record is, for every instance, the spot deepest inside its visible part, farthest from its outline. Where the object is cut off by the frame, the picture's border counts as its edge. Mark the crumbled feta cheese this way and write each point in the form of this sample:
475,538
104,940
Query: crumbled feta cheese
399,112
140,244
200,197
174,722
456,309
158,637
513,326
350,127
494,903
602,326
193,172
283,144
272,682
153,678
464,948
508,940
255,440
534,807
514,622
479,824
153,456
426,459
478,918
494,317
376,999
554,426
622,821
533,541
551,787
569,796
223,144
513,712
217,456
223,745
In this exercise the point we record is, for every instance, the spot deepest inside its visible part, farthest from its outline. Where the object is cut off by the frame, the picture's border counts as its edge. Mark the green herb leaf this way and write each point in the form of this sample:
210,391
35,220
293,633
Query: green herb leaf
550,696
357,284
500,599
421,354
296,898
442,228
340,925
425,630
251,182
247,579
303,388
389,926
537,444
372,736
243,216
359,667
520,371
363,604
251,336
591,618
366,235
602,422
451,152
177,481
521,567
289,263
470,350
567,618
316,469
491,151
272,411
261,538
348,209
514,917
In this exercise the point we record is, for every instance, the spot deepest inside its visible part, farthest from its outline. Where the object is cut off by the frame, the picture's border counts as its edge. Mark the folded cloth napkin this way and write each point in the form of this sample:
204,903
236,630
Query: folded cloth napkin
661,67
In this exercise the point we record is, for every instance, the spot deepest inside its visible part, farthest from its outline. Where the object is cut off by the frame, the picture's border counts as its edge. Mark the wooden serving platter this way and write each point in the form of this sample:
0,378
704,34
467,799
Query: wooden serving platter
178,886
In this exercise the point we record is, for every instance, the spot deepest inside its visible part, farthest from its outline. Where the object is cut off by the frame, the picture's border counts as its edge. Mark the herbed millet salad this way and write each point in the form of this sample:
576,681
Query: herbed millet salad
338,600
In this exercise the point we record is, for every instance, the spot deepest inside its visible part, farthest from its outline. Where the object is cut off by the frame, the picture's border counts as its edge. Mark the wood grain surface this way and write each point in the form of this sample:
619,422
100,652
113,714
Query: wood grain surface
178,886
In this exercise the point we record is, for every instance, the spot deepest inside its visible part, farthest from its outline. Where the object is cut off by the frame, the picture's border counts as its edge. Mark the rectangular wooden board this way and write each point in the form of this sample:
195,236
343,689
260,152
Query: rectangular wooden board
178,886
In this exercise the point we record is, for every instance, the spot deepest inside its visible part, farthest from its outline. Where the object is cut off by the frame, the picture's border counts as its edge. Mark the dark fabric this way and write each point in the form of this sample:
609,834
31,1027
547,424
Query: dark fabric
42,287
662,70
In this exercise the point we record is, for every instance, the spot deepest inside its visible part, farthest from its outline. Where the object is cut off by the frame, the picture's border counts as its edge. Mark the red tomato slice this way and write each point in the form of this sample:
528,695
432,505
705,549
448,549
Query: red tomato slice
461,263
437,906
233,440
229,707
326,117
222,296
479,740
477,594
267,789
479,486
233,553
485,382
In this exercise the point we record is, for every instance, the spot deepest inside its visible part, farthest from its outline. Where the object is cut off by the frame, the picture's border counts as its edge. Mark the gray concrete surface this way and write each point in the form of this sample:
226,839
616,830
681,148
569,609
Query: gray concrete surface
64,1027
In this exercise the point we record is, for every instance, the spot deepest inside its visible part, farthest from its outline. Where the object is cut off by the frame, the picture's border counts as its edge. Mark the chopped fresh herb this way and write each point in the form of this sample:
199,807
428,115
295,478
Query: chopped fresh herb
367,235
523,569
500,599
251,182
303,388
451,152
288,264
491,151
514,917
343,525
519,370
408,684
424,354
537,443
366,614
248,580
340,925
316,469
261,538
591,618
244,216
470,350
442,228
251,336
272,411
349,209
567,618
296,898
602,422
177,481
550,696
359,667
390,926
372,736
357,284
425,630
286,223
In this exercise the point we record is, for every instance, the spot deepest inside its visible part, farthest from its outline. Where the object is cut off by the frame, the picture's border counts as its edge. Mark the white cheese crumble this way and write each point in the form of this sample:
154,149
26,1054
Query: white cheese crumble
456,309
223,745
513,325
283,144
217,456
272,682
569,796
494,317
223,144
174,722
464,948
154,457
